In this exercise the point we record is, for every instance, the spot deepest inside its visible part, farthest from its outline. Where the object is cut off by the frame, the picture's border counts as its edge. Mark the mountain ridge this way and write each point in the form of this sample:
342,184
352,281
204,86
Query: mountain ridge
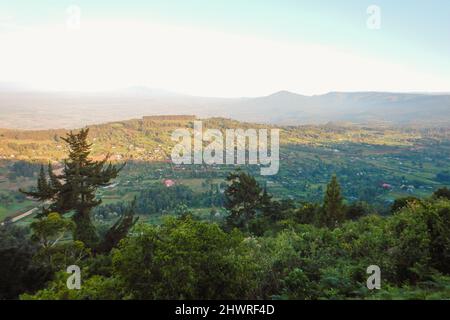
45,110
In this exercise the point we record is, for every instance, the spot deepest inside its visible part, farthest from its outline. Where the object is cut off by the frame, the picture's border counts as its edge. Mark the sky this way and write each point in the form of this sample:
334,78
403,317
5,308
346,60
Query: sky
227,48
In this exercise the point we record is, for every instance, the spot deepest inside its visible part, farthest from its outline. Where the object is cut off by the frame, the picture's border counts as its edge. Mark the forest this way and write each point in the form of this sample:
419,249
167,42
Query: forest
250,244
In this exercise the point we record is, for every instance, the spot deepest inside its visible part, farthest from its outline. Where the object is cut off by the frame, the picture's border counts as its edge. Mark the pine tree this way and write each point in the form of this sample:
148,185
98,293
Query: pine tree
75,189
243,199
43,190
333,207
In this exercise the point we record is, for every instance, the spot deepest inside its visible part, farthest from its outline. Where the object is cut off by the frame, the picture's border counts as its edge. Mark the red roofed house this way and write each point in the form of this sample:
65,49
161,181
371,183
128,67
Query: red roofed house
169,183
386,186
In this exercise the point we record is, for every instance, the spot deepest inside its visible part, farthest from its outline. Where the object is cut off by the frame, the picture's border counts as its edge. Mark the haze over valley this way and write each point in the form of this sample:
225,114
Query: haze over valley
52,110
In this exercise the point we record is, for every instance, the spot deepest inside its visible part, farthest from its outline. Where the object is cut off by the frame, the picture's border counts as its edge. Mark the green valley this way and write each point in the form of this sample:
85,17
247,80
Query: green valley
375,164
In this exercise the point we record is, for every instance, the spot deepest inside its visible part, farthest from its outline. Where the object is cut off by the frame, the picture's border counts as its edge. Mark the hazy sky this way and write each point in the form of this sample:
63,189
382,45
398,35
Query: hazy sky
227,47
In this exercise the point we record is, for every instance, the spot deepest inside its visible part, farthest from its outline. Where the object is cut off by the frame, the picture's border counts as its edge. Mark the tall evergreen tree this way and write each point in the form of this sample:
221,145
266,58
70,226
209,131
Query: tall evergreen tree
43,190
242,199
333,212
75,189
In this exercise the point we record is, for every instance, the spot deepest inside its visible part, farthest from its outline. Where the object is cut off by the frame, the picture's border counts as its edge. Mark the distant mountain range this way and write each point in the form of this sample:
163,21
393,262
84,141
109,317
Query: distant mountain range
44,110
360,107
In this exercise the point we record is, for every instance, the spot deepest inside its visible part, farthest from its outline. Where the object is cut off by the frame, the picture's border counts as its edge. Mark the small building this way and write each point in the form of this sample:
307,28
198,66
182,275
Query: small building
169,183
386,186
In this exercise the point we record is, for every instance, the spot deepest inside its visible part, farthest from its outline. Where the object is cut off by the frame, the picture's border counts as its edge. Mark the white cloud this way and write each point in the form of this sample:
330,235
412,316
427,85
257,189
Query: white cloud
114,54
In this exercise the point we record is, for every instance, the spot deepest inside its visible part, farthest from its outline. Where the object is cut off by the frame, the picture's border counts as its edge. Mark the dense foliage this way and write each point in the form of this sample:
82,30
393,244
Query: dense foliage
289,258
